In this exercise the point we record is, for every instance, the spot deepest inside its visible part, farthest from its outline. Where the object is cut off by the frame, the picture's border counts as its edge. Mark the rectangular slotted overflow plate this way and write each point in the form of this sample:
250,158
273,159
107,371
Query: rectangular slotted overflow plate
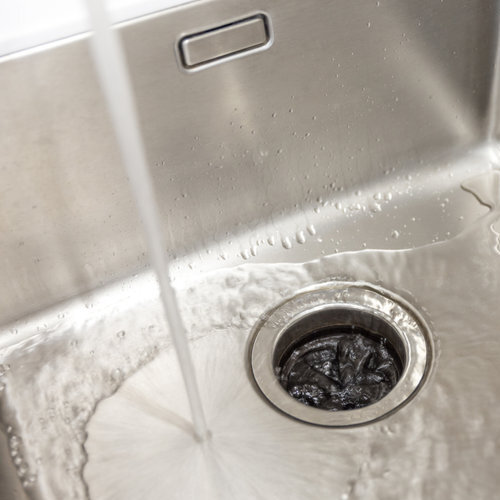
224,42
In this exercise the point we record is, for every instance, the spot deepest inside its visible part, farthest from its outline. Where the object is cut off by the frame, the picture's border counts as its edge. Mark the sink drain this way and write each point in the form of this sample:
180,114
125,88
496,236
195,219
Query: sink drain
340,354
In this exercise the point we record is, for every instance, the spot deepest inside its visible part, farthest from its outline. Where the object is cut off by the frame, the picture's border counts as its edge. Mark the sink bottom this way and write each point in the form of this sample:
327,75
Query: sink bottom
92,385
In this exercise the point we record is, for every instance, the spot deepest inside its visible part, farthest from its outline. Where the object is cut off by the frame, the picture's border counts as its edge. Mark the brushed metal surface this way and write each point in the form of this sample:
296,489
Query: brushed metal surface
384,103
346,93
224,41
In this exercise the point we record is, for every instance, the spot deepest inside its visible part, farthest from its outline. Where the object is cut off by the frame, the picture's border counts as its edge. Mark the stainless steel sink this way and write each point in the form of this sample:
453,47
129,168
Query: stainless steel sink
349,127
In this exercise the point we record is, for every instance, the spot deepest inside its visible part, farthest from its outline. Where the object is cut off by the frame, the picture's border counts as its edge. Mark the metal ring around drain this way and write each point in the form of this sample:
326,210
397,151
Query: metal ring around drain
360,304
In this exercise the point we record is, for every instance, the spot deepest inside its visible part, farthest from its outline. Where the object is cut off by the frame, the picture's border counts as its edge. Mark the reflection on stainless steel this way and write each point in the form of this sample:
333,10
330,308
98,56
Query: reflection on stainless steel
353,130
346,93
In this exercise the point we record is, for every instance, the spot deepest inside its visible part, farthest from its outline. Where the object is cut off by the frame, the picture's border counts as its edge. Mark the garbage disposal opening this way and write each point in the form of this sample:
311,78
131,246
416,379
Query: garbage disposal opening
340,354
339,359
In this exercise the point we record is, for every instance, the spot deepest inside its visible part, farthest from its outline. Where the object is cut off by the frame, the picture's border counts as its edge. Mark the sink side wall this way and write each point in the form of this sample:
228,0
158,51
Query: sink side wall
345,93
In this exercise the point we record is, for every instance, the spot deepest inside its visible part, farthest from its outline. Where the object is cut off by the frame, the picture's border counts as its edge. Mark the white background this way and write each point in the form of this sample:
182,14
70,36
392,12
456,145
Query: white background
28,23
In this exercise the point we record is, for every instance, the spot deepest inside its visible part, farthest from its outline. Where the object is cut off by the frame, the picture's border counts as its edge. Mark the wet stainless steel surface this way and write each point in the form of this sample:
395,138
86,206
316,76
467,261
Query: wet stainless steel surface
11,487
345,94
310,145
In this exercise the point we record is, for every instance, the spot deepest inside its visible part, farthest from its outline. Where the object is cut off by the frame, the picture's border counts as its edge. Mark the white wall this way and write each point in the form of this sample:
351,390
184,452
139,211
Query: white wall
28,23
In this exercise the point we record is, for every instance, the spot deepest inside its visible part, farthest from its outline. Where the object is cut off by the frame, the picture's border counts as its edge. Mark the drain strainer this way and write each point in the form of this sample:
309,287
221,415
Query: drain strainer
340,354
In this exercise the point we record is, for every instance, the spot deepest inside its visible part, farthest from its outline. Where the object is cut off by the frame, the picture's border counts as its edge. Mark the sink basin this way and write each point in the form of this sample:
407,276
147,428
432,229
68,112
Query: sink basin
352,129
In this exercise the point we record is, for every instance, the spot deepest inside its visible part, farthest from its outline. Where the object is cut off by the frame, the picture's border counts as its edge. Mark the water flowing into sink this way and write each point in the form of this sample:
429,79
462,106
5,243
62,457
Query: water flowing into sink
110,63
137,443
258,453
97,407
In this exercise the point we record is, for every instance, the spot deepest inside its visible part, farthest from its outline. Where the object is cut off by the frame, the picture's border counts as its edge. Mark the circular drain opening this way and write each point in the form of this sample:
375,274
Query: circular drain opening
340,354
339,359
